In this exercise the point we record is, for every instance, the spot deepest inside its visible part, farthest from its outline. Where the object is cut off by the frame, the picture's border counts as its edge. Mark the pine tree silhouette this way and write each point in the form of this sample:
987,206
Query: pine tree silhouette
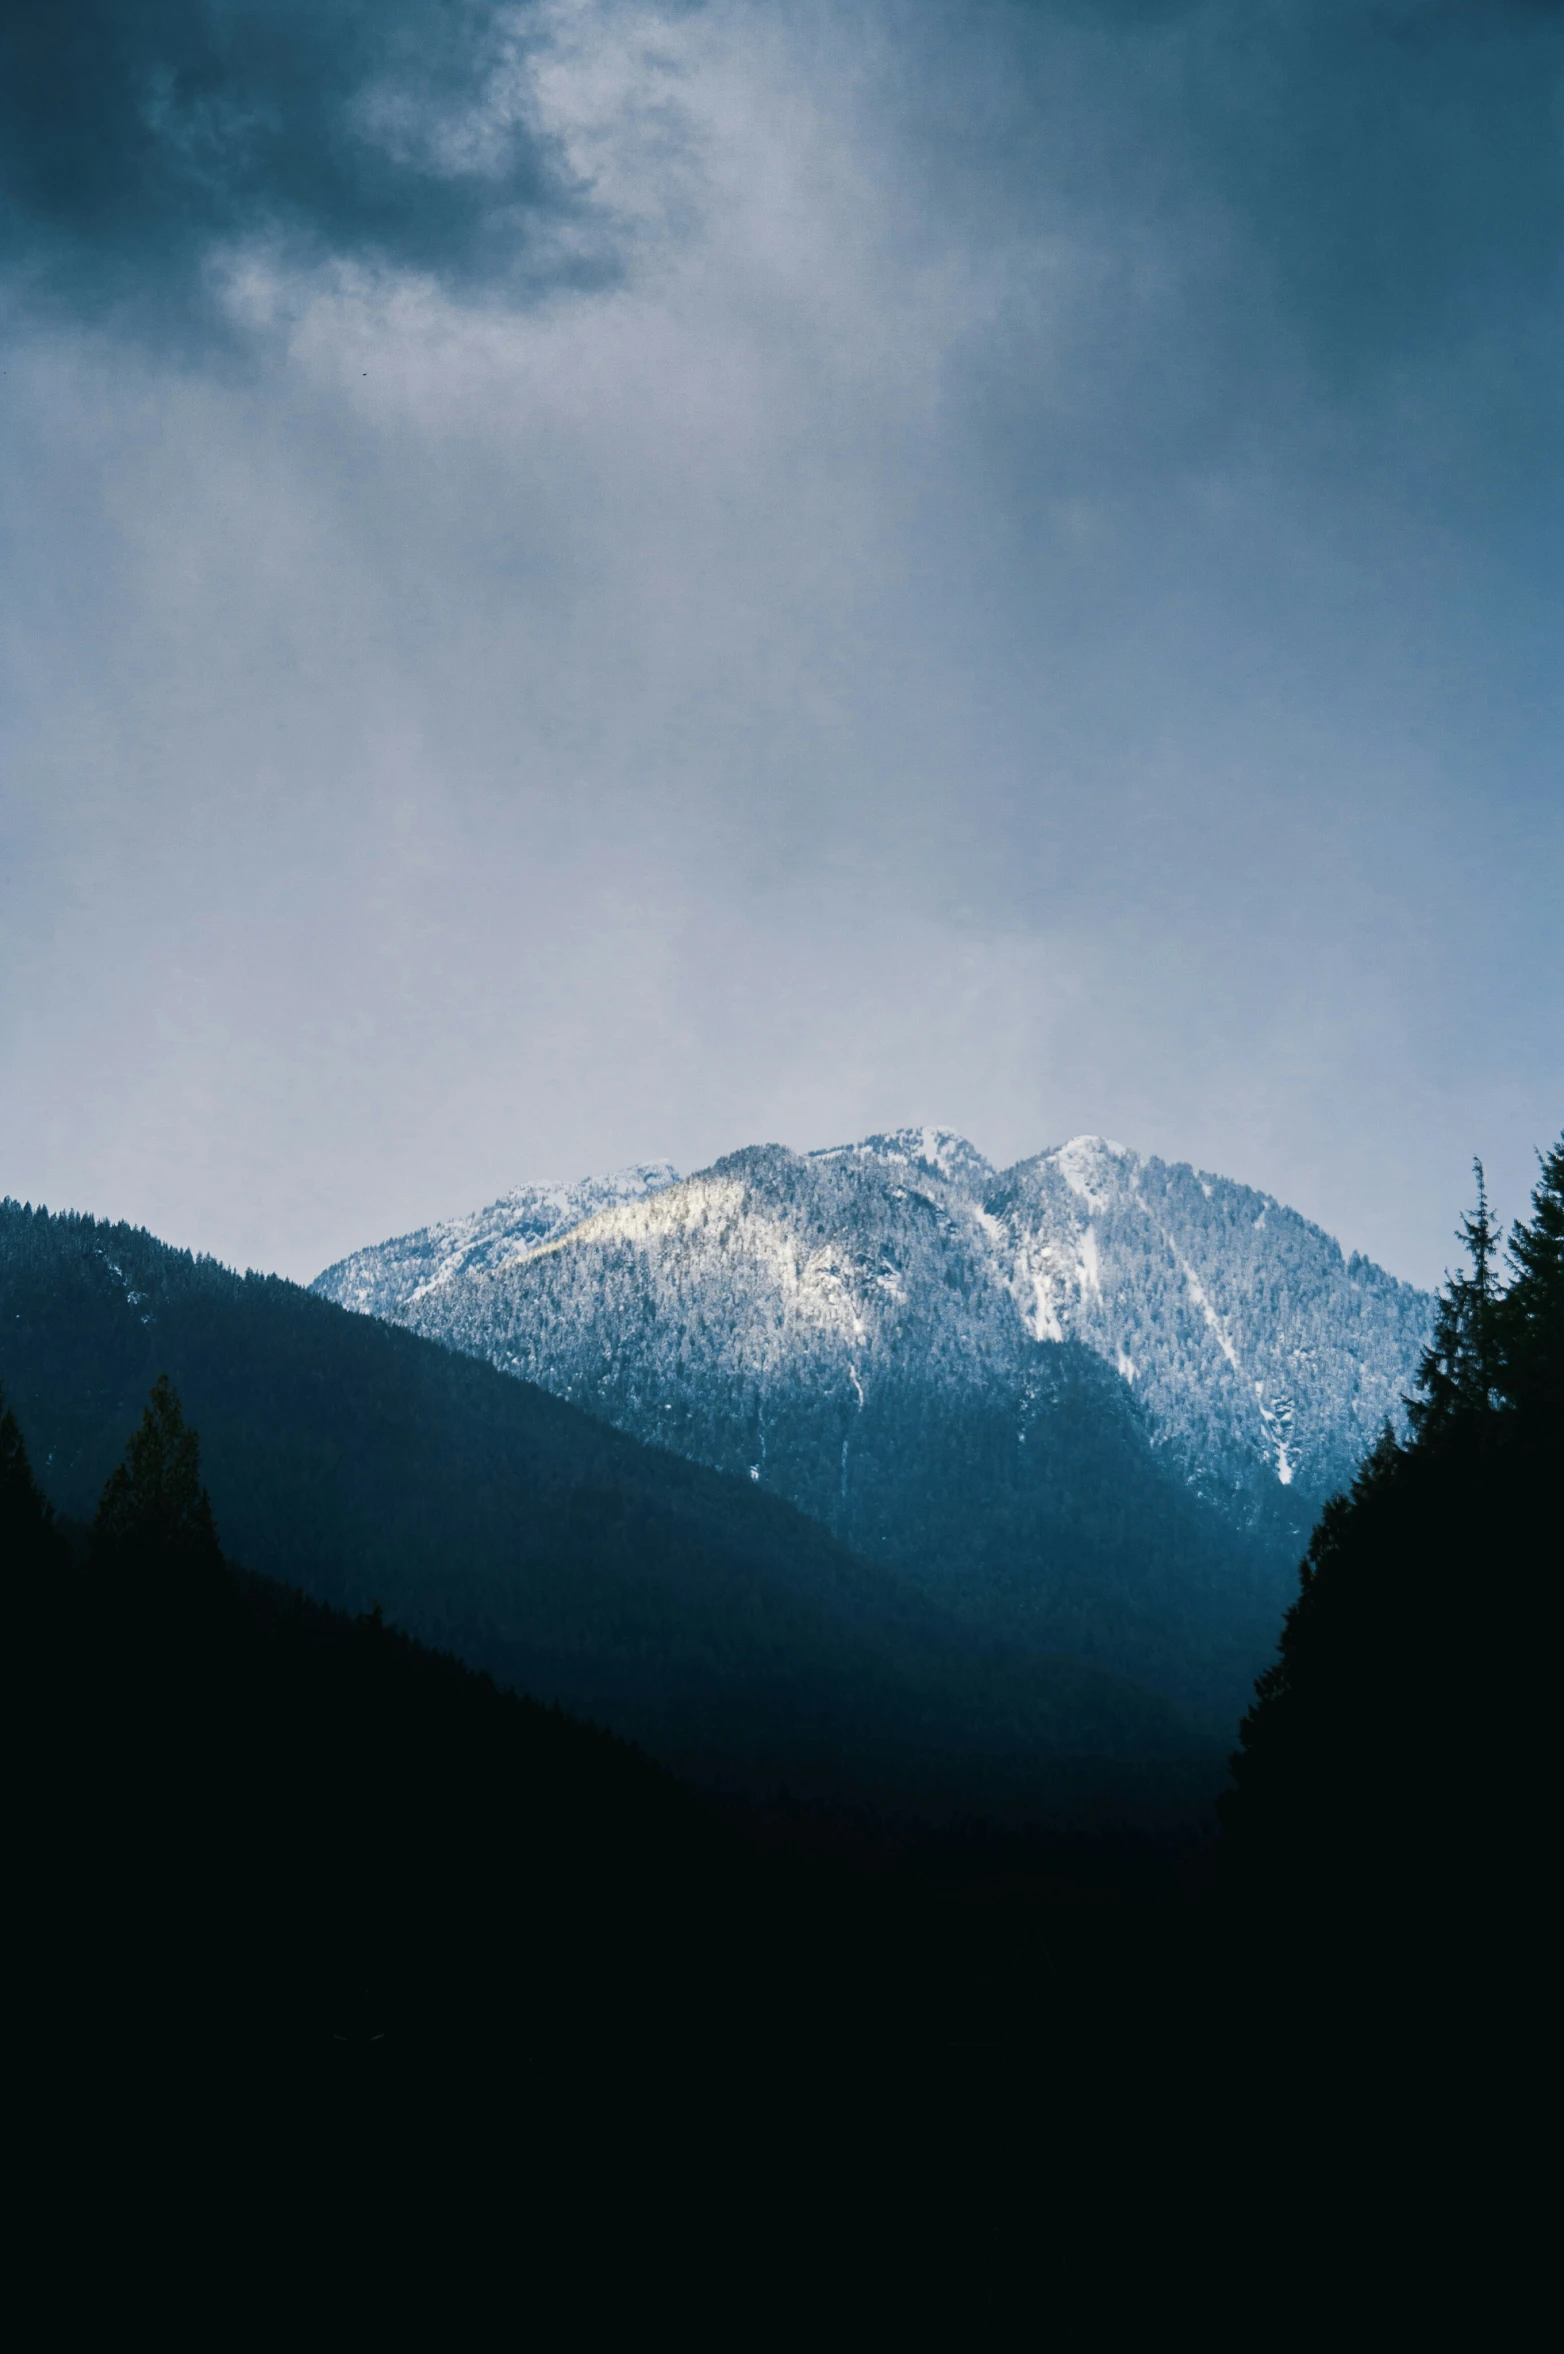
1459,1371
1388,1789
27,1532
1530,1321
153,1505
32,1547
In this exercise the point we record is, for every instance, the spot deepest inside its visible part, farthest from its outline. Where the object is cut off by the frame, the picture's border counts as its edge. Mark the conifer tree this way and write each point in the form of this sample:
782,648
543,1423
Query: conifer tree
1394,1751
1531,1316
153,1505
27,1531
1457,1376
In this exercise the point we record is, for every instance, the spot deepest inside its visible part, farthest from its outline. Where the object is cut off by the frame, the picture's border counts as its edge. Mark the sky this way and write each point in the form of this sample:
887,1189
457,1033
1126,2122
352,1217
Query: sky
585,582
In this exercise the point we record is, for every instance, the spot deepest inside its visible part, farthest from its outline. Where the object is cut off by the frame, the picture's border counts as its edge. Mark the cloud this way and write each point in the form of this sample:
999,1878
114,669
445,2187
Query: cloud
1369,182
1023,592
1279,202
139,143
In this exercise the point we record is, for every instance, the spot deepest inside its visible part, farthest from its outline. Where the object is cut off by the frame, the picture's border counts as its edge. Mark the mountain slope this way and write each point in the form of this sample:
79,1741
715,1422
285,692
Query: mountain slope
390,1276
709,1620
1265,1358
1092,1402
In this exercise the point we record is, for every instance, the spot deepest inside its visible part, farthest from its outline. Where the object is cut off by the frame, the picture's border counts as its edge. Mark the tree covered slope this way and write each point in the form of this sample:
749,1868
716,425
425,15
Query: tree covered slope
1093,1402
246,1821
1393,1784
697,1614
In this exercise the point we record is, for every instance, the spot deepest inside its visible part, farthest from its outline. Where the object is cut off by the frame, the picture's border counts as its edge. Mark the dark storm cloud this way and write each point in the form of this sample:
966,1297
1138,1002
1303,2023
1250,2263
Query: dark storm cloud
137,135
1392,166
1351,186
1398,161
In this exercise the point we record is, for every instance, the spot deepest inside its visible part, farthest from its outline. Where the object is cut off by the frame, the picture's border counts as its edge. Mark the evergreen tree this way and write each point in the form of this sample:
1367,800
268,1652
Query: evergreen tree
1393,1762
28,1537
153,1505
1530,1321
1458,1374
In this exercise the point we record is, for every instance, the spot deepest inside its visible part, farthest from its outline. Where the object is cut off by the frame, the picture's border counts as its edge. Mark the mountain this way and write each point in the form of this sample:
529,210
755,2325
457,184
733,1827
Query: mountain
1092,1401
1265,1358
390,1276
699,1615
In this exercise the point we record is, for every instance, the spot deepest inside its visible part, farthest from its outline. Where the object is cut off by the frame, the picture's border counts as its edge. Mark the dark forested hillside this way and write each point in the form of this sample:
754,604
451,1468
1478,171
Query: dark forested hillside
1390,1809
243,1815
258,1843
688,1611
250,1826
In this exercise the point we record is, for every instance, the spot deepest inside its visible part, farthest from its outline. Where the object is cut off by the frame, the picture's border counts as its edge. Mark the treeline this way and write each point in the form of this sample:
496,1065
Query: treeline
726,1633
243,1811
1388,1822
249,1825
250,1819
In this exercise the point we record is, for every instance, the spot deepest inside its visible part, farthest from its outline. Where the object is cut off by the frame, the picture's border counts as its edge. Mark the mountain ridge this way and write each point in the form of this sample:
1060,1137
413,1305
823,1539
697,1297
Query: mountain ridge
1094,1400
726,1632
373,1282
1084,1238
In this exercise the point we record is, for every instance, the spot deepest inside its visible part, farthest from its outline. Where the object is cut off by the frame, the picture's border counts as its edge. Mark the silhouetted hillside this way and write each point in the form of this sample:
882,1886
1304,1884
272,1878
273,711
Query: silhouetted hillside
1388,1817
248,1825
688,1611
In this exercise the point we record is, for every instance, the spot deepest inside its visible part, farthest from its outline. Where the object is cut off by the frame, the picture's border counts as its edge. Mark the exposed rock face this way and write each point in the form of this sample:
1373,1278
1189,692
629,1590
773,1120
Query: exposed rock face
1094,1396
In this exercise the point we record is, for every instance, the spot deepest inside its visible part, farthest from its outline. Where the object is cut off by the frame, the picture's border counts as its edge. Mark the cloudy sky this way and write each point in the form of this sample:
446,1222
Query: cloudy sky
586,582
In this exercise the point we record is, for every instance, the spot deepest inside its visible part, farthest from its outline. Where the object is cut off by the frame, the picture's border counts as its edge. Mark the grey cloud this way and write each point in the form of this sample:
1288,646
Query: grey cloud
1331,188
1293,199
135,138
1024,594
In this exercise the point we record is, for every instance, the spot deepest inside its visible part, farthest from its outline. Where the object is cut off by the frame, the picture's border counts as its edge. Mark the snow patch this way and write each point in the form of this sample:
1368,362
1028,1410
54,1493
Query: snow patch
1091,1167
1197,1292
697,1202
1043,1320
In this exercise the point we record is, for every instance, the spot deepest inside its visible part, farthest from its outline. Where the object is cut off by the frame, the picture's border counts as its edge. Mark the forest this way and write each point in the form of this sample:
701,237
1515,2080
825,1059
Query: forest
712,1623
290,1842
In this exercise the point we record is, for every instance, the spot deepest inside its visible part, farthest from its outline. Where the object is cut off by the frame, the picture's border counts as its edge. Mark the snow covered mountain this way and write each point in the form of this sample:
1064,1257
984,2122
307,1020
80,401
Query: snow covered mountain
1093,1395
1260,1352
389,1277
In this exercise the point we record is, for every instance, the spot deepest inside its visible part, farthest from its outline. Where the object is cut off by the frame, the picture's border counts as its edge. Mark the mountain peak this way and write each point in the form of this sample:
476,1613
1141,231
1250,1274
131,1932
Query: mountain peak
836,1281
936,1152
1093,1166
